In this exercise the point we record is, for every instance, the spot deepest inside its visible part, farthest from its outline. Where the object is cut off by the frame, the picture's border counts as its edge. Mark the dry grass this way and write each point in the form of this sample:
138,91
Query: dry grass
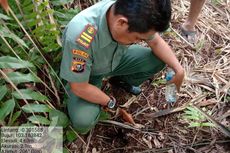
207,66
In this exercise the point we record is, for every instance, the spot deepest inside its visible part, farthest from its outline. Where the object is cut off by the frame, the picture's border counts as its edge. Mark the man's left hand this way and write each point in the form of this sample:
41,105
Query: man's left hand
178,78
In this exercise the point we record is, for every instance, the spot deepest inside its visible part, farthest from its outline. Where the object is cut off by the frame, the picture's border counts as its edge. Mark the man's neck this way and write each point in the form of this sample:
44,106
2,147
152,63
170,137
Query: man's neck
110,18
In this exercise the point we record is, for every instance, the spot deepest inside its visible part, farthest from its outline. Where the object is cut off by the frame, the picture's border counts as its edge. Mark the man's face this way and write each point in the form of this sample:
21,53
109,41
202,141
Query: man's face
122,35
128,38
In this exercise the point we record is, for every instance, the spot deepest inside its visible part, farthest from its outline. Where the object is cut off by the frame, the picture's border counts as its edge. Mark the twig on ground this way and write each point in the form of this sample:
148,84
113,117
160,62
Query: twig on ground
191,45
77,135
89,139
187,145
173,110
126,126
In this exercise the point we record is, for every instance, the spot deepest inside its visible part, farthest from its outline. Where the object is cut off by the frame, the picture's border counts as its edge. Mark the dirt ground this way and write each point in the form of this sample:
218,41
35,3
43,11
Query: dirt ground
206,85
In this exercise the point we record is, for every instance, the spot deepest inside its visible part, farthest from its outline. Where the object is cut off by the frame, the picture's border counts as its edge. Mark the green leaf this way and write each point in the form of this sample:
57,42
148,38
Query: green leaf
4,17
104,116
37,119
53,131
63,120
36,108
71,136
61,2
12,62
194,124
26,2
65,15
158,82
65,150
191,113
208,124
7,107
192,117
28,124
29,94
3,91
15,117
6,33
17,77
54,121
192,109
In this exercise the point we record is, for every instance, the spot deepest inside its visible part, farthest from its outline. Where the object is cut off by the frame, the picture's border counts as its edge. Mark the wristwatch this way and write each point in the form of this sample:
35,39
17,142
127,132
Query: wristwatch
111,103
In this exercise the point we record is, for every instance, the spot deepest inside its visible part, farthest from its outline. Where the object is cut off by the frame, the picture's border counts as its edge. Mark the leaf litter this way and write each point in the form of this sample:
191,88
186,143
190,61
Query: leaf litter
207,67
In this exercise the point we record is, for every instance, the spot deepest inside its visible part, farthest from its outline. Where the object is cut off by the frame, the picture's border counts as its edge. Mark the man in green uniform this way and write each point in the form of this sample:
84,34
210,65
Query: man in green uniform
99,42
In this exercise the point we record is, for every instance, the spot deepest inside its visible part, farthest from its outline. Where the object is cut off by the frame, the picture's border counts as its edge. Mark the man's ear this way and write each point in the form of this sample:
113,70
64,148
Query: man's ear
122,22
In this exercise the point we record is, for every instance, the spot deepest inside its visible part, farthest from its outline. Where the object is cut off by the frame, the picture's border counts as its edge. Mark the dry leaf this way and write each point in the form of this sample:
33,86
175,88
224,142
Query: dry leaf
126,116
129,102
157,143
147,142
207,102
94,150
161,136
138,126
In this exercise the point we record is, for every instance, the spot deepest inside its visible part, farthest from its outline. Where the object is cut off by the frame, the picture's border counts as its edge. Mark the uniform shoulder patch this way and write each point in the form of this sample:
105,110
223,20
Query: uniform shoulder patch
78,65
87,35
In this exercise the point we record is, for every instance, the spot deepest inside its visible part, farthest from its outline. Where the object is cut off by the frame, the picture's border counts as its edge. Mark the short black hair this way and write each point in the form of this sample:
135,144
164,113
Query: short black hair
145,15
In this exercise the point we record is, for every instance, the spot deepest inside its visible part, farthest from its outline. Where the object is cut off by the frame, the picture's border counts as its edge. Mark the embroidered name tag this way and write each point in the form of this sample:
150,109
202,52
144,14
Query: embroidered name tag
80,53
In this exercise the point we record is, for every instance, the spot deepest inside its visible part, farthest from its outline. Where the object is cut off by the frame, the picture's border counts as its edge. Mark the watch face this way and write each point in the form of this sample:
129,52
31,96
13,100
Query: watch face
111,104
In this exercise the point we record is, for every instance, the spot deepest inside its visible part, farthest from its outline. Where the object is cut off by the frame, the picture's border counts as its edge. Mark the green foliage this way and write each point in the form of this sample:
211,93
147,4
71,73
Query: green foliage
36,108
61,2
15,116
3,92
62,118
39,19
65,16
30,54
104,116
195,118
158,82
71,135
4,32
29,94
14,63
4,17
37,119
18,77
6,108
216,2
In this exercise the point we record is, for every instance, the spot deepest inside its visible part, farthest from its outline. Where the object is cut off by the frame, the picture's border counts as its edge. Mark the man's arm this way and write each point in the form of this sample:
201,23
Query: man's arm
162,50
90,93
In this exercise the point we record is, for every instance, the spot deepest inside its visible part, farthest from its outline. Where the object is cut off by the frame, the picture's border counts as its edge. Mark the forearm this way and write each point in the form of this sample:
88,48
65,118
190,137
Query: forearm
162,50
90,93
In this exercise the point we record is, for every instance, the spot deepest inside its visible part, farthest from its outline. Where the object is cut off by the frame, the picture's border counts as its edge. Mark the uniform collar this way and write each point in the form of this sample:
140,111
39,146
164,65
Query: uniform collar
105,37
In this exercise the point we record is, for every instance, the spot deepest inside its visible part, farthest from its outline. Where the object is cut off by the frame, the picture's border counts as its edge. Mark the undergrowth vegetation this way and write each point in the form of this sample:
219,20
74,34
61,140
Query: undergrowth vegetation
30,53
31,92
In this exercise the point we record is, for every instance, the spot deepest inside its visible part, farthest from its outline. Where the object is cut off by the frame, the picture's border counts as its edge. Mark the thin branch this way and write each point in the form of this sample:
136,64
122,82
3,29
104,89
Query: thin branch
77,135
89,139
